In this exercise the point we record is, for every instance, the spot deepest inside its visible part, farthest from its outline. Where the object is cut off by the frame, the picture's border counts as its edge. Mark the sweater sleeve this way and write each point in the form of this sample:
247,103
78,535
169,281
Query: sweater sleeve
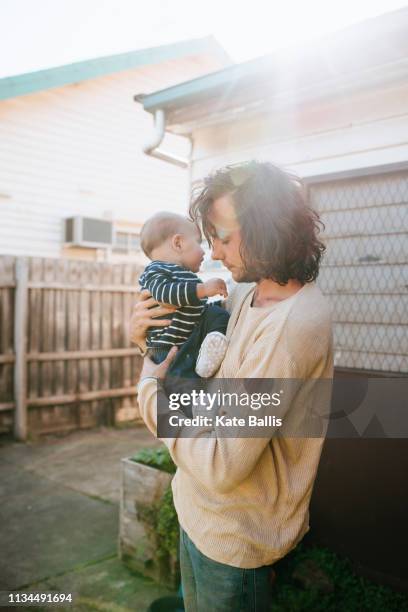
169,291
217,462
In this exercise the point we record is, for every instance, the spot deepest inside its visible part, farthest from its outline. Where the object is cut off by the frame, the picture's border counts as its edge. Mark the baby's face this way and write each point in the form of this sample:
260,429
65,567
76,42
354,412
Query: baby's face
192,252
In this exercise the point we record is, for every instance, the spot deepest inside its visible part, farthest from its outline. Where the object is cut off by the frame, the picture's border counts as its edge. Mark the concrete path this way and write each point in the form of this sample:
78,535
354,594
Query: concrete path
59,519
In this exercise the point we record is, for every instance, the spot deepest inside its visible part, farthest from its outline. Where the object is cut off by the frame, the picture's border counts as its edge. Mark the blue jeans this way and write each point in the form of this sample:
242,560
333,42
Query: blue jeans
212,586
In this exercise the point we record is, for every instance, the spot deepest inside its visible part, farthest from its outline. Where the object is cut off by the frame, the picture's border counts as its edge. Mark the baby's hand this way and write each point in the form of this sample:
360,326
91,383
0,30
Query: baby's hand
215,286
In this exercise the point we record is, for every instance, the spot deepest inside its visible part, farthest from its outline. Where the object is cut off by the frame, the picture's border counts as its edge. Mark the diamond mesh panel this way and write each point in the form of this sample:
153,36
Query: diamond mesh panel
365,269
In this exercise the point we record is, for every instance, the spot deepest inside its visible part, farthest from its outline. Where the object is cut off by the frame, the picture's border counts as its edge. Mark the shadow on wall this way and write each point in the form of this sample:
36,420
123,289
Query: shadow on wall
359,505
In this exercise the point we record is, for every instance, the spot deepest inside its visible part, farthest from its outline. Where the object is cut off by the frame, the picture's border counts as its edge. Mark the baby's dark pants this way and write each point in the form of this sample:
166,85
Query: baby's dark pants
214,318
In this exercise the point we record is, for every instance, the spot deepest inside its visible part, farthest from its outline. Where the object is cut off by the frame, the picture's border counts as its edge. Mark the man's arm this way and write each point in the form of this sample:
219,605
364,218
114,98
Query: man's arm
144,315
217,462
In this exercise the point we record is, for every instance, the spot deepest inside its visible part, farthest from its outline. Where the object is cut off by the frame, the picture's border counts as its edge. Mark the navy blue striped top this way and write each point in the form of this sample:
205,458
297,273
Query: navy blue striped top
173,284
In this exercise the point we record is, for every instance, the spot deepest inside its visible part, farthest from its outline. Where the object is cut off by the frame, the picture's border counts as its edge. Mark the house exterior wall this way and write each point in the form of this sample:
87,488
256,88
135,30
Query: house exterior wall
365,268
77,150
345,133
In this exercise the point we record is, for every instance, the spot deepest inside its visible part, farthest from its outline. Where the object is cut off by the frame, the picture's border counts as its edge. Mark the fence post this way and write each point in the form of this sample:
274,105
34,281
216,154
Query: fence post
20,348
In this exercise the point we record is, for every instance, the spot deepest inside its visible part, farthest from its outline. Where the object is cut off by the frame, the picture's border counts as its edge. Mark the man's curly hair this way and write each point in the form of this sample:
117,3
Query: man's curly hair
279,230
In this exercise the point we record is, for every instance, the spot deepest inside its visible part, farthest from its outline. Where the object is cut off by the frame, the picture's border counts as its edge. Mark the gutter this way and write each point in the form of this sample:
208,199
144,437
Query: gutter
151,146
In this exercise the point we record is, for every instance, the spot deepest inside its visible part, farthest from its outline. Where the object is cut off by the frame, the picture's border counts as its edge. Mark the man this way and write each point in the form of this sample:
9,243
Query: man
242,503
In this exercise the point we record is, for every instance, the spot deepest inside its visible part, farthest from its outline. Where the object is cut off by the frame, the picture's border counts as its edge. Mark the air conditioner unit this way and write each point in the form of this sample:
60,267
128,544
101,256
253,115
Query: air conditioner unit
88,232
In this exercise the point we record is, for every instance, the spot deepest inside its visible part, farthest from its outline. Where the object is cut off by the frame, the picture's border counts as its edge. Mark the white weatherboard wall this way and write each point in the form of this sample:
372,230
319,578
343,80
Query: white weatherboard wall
77,150
343,133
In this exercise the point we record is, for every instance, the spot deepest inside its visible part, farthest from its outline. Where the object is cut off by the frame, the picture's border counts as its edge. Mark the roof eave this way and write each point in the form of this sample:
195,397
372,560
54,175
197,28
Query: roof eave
218,93
78,72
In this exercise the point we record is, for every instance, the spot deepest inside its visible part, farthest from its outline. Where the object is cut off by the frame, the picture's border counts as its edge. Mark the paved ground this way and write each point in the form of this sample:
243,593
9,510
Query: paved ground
59,519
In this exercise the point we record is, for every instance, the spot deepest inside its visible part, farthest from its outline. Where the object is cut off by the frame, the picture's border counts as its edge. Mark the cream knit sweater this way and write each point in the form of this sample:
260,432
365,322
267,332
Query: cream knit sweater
244,501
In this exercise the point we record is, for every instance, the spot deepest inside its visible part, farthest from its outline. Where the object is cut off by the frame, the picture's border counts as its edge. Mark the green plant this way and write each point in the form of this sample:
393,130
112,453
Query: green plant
158,458
350,591
167,526
161,517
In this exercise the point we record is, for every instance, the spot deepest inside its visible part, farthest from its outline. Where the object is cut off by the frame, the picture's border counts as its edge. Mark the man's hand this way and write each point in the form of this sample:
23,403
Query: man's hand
214,286
144,316
158,370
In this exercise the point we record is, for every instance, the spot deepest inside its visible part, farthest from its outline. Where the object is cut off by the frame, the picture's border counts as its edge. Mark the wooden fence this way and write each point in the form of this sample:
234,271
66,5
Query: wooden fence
66,361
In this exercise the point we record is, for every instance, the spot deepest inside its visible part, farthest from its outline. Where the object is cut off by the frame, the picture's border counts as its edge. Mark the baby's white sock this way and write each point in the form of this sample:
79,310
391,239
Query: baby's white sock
212,352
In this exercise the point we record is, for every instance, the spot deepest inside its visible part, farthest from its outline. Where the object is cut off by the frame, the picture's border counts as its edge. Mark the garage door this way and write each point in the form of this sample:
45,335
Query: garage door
365,268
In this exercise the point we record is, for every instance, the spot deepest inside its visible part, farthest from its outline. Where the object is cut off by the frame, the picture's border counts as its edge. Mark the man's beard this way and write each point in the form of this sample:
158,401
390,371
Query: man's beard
245,276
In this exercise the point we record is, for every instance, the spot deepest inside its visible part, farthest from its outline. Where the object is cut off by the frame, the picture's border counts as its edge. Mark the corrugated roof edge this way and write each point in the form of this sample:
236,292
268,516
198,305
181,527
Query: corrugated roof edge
30,82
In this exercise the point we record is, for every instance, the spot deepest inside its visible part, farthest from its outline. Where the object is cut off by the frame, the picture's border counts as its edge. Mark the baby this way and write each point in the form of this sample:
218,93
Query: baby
173,244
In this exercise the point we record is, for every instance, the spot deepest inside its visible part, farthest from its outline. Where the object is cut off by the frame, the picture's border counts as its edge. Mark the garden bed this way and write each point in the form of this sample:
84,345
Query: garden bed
148,533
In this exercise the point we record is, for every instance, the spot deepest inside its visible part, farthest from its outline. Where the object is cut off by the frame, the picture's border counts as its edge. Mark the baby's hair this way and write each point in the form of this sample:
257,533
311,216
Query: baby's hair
160,227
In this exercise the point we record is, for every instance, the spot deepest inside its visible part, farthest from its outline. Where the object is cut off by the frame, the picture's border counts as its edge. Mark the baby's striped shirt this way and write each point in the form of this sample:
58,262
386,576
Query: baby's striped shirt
176,285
